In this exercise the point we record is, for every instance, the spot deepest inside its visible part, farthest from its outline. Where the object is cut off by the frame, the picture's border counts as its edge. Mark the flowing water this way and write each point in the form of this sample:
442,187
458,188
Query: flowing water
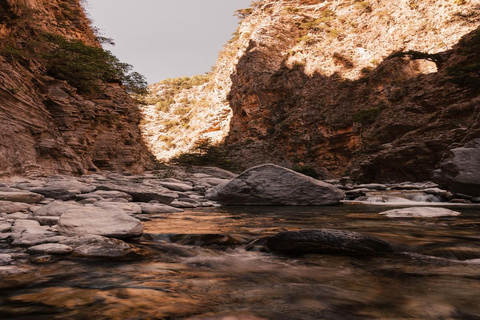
193,281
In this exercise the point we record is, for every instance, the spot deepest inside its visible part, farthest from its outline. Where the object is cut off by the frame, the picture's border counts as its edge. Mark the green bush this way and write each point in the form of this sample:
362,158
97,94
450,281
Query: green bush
85,67
366,116
204,154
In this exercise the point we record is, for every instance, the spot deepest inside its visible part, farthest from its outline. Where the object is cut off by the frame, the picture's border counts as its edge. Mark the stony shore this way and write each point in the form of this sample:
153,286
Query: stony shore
99,216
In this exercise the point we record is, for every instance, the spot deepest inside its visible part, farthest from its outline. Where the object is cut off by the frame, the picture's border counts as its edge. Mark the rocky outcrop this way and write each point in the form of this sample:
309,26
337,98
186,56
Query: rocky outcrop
460,173
46,126
326,241
273,185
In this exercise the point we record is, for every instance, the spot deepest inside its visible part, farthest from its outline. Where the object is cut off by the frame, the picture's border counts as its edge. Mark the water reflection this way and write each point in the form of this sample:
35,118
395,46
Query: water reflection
213,280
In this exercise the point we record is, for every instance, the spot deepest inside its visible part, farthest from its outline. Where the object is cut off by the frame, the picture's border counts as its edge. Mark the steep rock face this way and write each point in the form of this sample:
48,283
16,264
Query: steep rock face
46,127
316,86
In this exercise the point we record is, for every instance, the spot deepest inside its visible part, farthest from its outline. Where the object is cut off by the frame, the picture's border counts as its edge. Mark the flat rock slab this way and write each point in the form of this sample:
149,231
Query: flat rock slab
21,196
98,221
56,208
152,208
420,212
11,207
326,241
51,248
140,193
273,185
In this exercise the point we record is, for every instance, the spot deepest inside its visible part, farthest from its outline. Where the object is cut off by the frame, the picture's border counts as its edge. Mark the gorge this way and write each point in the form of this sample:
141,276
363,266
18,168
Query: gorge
113,205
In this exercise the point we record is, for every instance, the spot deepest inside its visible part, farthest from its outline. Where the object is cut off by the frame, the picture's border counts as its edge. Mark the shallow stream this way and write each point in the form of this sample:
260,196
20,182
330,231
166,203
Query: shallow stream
190,281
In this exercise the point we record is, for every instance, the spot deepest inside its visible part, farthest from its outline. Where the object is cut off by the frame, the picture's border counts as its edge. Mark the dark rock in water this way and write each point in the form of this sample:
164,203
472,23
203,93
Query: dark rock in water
209,239
273,185
460,173
326,241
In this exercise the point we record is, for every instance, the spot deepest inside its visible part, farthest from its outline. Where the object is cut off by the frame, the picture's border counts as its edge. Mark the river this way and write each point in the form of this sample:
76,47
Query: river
192,279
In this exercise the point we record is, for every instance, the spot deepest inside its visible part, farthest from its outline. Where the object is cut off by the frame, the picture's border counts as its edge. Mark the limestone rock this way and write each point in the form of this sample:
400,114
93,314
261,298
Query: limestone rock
94,246
273,185
50,248
11,207
152,208
420,212
326,241
460,173
56,208
21,196
128,208
97,221
142,193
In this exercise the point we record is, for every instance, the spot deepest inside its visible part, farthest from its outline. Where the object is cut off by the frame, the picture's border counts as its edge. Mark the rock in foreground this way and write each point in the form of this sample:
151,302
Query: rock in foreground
97,221
273,185
326,241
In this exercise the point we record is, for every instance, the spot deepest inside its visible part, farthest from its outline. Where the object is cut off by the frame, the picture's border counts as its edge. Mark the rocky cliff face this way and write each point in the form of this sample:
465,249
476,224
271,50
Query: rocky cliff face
46,126
317,85
314,83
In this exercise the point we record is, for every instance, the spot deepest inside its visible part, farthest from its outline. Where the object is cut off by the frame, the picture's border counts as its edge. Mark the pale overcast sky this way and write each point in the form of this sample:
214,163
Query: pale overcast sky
166,38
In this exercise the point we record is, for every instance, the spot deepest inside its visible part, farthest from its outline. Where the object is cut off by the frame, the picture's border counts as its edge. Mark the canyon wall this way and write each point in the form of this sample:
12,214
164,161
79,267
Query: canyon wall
47,125
318,85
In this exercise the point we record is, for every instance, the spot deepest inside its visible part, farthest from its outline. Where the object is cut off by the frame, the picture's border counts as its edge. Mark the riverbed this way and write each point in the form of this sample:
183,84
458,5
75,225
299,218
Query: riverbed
202,268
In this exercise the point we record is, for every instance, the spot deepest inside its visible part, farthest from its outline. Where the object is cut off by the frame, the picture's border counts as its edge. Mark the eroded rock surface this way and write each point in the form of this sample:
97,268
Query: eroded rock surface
273,185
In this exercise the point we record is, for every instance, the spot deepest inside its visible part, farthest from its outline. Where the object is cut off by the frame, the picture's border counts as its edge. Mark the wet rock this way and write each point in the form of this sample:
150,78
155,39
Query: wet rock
11,207
56,208
273,185
420,212
142,193
211,239
92,246
152,208
51,249
460,173
21,196
97,221
326,241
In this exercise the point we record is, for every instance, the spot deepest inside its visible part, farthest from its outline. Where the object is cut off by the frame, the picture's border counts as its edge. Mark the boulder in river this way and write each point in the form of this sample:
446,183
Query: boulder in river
270,184
97,221
326,241
460,173
420,212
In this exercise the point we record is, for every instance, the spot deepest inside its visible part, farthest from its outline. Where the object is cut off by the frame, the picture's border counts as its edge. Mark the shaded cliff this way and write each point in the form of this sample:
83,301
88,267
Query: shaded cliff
49,121
317,85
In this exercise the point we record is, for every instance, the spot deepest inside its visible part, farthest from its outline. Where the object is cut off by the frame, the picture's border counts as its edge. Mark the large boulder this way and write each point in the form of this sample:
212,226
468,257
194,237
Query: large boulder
273,185
460,173
97,221
326,241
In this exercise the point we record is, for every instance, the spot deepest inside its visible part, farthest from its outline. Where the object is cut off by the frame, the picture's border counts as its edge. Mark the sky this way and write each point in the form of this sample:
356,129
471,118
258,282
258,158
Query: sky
166,38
